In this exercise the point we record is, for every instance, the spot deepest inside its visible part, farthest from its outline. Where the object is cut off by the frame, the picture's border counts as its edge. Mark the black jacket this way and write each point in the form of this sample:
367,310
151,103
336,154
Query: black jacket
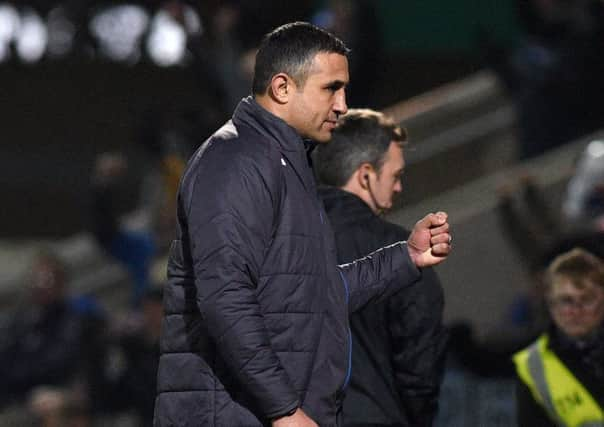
256,308
398,344
585,361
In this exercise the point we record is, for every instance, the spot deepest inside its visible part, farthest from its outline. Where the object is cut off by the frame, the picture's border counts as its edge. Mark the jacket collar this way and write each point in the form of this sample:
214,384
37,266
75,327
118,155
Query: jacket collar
293,148
344,204
250,113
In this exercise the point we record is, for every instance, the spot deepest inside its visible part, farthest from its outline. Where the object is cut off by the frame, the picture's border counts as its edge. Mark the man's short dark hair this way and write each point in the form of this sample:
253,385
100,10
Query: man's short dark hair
362,136
290,49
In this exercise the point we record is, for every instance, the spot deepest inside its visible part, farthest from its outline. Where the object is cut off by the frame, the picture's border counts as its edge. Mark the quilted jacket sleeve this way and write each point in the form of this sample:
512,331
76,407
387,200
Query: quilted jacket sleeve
379,274
230,216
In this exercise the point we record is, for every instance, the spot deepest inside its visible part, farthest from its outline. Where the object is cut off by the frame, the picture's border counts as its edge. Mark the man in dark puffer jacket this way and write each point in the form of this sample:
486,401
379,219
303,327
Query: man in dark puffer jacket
398,345
256,308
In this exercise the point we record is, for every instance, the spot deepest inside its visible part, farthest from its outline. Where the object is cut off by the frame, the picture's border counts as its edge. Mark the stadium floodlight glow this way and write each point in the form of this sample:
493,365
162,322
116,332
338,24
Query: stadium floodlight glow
167,40
119,29
32,37
596,148
9,25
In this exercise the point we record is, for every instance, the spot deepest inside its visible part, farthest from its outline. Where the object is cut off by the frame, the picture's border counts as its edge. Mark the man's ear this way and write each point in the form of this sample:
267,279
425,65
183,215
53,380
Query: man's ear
280,88
363,175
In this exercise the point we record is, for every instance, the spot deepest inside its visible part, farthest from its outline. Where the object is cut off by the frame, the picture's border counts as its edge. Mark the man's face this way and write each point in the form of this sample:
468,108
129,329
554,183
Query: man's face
388,180
316,106
577,312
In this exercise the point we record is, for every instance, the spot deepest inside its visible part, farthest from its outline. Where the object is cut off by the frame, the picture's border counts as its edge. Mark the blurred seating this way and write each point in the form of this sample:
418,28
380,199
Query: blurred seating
468,119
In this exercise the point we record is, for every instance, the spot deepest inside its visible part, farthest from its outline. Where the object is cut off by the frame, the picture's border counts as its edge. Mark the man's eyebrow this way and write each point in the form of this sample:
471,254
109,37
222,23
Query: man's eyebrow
336,84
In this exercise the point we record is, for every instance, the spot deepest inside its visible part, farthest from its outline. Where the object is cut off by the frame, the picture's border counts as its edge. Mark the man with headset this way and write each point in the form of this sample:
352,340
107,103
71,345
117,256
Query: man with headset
398,343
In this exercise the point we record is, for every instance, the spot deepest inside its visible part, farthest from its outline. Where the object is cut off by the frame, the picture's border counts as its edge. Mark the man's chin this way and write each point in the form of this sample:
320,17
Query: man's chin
323,138
575,332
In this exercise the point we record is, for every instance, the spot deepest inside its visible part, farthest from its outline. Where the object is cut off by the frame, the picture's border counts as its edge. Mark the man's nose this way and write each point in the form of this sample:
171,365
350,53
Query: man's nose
398,186
340,106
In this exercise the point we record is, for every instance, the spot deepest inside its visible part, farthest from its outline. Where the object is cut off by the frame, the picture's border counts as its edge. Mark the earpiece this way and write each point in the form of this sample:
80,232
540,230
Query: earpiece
373,199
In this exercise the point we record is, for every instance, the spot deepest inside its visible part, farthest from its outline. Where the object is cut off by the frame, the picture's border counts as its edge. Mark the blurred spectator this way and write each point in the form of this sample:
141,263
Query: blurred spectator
223,55
169,139
134,248
53,407
48,338
584,201
131,360
555,76
528,220
355,22
486,357
219,58
398,345
213,53
561,375
478,385
539,232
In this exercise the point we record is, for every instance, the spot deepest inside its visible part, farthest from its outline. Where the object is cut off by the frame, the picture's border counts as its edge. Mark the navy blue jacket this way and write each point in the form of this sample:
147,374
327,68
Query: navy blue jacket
256,308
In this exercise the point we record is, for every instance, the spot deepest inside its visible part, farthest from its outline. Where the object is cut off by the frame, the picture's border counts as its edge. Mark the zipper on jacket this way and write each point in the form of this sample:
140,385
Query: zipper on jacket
349,368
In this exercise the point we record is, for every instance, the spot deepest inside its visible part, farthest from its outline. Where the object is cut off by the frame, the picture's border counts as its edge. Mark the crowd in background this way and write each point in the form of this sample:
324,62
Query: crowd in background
66,360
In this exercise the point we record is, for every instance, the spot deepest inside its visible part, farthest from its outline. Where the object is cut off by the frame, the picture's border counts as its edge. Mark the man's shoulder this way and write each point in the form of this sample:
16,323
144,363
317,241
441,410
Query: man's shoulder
238,141
232,145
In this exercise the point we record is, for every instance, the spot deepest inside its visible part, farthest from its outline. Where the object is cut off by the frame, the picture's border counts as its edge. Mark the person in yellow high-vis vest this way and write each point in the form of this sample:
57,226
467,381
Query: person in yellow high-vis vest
561,375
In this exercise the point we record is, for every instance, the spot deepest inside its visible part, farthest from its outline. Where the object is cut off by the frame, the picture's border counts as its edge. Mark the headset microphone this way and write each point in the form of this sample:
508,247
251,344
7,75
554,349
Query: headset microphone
379,207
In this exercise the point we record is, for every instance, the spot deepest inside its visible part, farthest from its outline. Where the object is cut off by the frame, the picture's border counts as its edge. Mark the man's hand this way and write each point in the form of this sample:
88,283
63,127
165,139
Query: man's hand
430,240
297,419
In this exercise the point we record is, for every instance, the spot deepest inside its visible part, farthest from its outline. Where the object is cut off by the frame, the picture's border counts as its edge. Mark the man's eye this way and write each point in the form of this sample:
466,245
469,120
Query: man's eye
334,87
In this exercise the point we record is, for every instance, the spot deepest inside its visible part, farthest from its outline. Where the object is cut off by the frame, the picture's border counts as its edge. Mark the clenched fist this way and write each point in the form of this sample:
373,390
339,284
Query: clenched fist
430,240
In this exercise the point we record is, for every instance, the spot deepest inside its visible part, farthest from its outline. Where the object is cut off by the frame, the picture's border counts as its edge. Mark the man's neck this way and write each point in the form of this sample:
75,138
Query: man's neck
361,194
272,107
